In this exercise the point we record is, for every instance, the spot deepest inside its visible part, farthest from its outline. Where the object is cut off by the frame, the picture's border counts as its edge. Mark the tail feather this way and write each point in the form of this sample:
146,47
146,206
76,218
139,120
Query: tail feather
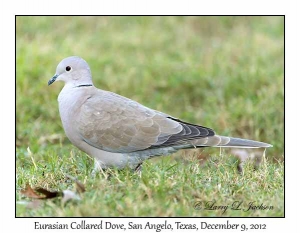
223,141
246,143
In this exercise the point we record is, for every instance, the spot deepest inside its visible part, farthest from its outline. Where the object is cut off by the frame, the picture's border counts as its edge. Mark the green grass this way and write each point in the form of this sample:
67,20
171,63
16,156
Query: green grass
225,73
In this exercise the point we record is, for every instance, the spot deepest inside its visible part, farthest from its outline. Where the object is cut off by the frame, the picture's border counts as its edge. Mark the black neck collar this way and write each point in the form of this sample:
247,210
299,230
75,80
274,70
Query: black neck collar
85,85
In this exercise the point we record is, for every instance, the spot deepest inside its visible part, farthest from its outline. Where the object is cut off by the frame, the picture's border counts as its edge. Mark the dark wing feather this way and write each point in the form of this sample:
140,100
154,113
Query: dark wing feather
189,132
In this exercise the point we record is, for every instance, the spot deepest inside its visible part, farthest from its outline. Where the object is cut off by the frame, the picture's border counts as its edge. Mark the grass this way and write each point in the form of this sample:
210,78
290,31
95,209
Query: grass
222,72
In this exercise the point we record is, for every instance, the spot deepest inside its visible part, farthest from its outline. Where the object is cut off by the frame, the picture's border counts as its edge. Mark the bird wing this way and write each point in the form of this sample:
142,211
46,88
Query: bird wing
114,123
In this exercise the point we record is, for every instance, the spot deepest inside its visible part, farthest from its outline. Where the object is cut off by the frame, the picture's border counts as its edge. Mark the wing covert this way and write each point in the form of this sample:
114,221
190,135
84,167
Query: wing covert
114,123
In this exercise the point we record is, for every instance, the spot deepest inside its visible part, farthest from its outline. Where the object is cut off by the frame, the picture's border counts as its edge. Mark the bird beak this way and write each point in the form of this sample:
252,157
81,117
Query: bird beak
52,80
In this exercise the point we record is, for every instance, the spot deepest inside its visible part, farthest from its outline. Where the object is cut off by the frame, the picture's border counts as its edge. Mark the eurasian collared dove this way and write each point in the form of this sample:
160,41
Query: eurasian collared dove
120,132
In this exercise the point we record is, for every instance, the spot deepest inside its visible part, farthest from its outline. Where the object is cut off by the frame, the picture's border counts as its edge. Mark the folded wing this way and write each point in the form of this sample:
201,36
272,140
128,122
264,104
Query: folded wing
114,123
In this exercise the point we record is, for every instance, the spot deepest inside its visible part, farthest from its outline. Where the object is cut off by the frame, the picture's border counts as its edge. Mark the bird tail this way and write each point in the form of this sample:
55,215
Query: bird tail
223,141
243,143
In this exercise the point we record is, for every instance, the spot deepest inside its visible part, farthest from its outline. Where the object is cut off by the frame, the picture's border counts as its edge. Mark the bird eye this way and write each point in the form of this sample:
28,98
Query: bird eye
68,68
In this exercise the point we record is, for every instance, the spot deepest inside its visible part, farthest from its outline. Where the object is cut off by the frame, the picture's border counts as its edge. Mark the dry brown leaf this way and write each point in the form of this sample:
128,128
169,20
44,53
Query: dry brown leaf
48,194
32,193
29,192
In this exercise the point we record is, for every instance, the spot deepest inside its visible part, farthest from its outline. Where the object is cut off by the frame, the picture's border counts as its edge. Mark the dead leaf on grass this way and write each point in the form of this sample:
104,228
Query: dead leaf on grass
29,192
40,193
48,194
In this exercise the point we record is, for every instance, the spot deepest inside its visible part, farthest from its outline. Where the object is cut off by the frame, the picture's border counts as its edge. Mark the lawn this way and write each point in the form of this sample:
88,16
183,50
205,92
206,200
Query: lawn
226,73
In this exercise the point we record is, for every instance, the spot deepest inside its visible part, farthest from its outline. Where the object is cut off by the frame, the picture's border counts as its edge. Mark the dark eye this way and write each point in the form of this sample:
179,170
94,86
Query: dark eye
68,68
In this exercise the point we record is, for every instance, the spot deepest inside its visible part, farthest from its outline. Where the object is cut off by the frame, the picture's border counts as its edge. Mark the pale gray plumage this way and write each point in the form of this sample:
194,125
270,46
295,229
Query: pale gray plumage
120,132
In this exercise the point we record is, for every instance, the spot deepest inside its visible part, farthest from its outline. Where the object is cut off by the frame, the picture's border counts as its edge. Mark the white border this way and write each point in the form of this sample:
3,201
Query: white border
8,222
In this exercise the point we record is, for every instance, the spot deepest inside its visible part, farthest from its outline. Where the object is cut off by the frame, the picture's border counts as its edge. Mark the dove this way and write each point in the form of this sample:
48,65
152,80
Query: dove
119,132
